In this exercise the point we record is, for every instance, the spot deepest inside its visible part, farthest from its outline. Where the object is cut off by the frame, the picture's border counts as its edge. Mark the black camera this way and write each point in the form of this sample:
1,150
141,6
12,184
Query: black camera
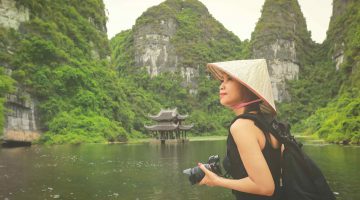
196,174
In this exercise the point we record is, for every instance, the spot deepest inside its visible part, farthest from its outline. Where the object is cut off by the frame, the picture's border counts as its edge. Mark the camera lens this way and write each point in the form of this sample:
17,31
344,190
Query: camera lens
196,174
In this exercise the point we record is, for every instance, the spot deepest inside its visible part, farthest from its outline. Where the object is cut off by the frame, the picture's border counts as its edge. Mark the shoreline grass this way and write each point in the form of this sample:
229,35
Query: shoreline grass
191,138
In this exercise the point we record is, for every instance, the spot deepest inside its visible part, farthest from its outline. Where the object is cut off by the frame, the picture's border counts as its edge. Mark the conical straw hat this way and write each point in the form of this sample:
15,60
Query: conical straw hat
253,74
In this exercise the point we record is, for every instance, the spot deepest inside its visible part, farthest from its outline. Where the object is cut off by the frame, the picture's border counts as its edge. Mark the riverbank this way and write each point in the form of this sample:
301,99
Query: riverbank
191,138
305,139
309,139
218,137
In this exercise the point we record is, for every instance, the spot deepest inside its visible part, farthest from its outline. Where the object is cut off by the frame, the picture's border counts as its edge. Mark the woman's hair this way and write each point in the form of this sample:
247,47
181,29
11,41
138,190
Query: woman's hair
250,96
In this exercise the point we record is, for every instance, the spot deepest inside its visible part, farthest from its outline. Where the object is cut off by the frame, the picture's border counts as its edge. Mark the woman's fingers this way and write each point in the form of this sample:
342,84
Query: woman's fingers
203,168
203,181
209,178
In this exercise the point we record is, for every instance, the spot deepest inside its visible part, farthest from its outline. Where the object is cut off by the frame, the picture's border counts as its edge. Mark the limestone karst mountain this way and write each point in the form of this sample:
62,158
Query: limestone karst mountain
281,37
342,42
175,36
339,120
54,52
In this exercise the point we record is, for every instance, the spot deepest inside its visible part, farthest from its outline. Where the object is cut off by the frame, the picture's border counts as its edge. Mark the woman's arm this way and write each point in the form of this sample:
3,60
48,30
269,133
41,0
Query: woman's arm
259,180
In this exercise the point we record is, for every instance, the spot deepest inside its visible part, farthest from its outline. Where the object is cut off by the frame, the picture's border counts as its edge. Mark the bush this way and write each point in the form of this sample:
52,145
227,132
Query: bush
79,127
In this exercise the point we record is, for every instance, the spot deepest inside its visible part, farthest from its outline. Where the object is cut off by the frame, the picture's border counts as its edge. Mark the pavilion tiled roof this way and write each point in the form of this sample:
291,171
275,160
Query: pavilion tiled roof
167,115
169,127
185,127
166,118
163,127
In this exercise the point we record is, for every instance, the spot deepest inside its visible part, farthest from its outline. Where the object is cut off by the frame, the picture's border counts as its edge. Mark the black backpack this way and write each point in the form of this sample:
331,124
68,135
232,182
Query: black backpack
301,177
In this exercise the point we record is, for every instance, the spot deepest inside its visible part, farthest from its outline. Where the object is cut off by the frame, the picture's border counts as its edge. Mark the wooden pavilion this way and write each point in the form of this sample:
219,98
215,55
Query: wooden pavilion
169,126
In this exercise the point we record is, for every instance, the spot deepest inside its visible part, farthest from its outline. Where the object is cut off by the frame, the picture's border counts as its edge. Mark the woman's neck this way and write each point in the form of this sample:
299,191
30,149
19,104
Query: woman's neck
239,111
242,110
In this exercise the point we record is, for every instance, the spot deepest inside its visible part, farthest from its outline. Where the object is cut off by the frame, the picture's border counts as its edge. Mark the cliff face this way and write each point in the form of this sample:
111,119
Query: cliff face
176,36
337,54
20,121
338,72
343,37
339,29
36,35
153,48
339,8
282,38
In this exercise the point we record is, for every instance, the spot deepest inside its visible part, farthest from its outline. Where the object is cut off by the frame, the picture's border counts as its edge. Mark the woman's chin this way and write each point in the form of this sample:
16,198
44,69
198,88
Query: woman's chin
222,102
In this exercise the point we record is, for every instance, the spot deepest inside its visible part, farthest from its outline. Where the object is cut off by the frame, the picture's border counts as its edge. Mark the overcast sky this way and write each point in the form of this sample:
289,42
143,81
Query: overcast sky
238,16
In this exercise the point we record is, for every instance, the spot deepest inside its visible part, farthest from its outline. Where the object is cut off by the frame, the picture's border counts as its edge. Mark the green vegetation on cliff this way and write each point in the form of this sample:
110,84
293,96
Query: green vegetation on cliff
344,34
318,83
122,51
339,121
321,92
198,39
6,86
283,20
60,57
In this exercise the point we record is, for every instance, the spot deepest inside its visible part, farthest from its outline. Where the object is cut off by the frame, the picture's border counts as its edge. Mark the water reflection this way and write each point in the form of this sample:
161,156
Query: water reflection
141,171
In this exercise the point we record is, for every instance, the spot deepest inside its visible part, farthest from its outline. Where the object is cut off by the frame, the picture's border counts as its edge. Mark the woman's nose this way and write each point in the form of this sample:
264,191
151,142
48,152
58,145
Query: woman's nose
221,87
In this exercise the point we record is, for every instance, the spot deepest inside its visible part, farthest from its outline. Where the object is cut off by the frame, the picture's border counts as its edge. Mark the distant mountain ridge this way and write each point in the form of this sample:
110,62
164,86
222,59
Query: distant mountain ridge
177,36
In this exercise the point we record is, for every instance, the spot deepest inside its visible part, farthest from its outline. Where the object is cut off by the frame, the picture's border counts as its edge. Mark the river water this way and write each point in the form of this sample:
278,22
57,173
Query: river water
142,171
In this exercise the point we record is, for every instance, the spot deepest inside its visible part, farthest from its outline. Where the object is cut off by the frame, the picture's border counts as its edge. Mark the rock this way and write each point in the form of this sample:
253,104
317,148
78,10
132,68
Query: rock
282,38
20,120
11,16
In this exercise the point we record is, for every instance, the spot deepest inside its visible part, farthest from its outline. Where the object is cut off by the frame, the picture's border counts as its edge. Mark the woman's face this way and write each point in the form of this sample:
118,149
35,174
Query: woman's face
230,91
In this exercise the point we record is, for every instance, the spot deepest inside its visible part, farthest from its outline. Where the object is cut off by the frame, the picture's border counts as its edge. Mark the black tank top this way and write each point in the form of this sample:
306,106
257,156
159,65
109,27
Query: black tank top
237,169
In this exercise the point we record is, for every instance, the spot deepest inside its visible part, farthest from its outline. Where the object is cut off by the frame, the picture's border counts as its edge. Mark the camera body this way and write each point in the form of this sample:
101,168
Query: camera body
196,174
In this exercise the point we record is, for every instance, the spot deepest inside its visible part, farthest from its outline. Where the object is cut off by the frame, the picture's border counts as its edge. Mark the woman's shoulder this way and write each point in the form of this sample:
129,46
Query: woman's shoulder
244,127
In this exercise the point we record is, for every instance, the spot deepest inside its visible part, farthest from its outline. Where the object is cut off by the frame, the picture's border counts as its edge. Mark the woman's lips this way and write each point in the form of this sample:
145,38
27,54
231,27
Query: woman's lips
222,94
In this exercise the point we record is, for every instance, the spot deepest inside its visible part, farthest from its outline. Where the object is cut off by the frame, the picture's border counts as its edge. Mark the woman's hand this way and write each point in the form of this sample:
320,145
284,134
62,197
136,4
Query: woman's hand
210,178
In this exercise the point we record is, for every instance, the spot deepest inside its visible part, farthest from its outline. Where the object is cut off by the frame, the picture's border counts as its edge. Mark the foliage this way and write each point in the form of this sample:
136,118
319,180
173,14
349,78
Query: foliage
78,126
122,51
6,86
316,86
283,20
332,96
339,121
198,39
60,58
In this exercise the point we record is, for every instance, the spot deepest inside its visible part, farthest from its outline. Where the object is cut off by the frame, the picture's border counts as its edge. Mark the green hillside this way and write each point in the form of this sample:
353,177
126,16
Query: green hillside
339,120
199,39
59,57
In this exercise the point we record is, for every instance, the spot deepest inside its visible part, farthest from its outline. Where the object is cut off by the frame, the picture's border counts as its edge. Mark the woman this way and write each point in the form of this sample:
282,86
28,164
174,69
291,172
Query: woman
253,155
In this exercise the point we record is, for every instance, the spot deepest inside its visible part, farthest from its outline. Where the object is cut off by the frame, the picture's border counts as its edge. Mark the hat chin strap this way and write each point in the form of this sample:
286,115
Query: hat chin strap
240,105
